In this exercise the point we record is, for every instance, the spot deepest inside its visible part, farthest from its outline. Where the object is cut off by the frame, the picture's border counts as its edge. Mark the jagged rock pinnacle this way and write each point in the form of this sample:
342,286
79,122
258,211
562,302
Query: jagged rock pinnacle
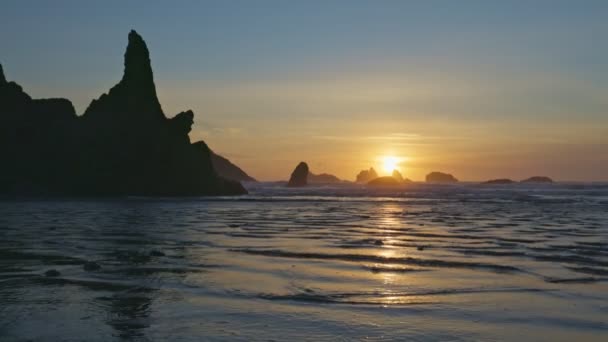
134,97
2,78
122,145
299,176
137,62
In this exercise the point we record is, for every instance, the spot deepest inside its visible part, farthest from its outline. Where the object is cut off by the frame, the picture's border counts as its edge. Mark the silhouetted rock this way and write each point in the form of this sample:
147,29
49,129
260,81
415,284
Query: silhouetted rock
2,77
366,175
384,181
299,176
499,181
34,135
122,145
134,97
323,178
226,169
397,175
181,124
538,179
440,177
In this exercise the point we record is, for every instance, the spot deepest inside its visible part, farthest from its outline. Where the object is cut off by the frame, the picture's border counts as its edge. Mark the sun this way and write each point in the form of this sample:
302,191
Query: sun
390,163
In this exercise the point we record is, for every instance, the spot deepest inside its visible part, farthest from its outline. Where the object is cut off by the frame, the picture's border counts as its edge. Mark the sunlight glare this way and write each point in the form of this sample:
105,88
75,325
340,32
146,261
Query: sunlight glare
390,163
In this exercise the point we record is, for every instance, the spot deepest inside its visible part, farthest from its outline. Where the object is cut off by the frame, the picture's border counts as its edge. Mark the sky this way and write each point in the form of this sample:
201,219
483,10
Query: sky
480,89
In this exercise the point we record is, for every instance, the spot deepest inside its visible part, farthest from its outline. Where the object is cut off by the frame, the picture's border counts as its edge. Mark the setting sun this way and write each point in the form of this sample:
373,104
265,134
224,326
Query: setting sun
390,163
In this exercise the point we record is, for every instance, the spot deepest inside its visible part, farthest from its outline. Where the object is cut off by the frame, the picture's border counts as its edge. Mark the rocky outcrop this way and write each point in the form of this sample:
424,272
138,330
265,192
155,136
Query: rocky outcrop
440,177
299,176
366,175
122,145
385,181
34,135
323,178
226,169
134,98
499,181
397,175
538,179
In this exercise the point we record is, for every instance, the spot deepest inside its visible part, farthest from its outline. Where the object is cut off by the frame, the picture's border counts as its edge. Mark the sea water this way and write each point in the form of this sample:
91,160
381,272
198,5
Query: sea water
326,263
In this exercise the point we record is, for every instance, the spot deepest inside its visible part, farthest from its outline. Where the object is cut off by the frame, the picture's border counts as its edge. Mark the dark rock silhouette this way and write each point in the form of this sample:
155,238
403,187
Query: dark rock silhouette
499,181
323,178
385,181
366,175
397,175
122,145
299,176
440,177
538,179
33,137
226,169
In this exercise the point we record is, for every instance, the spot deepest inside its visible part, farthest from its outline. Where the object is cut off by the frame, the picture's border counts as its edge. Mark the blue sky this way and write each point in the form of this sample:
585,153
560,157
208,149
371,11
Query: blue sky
518,82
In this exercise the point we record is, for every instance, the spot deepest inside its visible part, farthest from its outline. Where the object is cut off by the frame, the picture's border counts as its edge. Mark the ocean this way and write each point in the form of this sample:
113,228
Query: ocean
424,262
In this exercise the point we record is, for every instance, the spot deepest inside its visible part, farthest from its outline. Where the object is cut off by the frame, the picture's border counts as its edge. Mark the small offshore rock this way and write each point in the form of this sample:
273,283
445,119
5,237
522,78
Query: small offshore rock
91,266
52,273
299,176
440,177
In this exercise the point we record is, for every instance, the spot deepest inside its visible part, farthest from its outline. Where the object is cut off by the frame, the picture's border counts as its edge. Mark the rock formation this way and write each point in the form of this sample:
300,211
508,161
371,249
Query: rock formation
385,181
226,169
538,179
122,145
440,177
33,137
299,176
366,175
397,175
323,178
499,181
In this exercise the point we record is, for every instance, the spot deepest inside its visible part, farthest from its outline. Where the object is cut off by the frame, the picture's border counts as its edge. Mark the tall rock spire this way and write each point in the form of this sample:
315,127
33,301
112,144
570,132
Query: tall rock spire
138,70
2,78
134,97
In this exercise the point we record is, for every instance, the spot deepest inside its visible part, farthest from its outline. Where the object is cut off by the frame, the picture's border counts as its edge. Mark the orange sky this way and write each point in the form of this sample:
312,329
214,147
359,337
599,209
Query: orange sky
344,127
480,89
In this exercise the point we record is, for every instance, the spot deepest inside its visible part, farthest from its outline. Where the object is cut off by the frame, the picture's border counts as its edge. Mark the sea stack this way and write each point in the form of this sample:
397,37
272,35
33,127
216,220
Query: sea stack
440,177
323,178
122,145
226,169
35,135
538,179
299,176
136,149
397,175
386,181
367,175
2,78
